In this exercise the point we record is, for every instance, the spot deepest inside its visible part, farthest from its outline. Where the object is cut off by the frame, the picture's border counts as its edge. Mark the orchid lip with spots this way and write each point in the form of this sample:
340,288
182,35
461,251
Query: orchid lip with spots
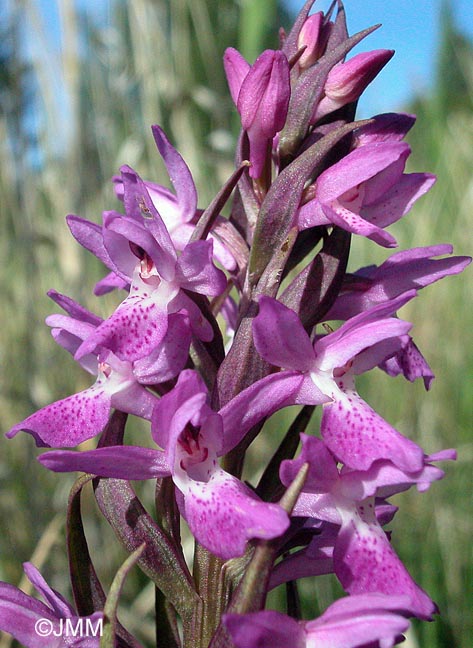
229,314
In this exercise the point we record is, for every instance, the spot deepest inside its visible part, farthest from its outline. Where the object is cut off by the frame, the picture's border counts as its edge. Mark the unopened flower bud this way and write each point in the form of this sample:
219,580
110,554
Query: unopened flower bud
346,81
312,38
262,99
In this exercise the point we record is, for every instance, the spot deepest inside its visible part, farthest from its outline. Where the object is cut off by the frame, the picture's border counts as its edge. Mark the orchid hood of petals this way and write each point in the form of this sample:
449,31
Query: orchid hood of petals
222,512
361,540
281,339
383,128
81,416
140,244
409,362
366,192
178,210
382,480
356,434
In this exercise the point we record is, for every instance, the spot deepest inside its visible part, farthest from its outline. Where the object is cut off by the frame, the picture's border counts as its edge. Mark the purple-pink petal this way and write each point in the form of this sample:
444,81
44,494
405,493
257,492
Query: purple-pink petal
110,282
346,81
351,622
138,205
133,331
195,270
76,328
254,86
19,614
170,357
359,166
398,200
35,625
262,399
236,69
311,38
338,352
57,603
119,462
379,312
384,127
313,560
321,507
265,629
280,337
263,101
179,174
375,355
199,325
388,178
358,436
223,514
119,232
134,399
188,396
71,343
409,362
365,562
415,268
68,422
74,309
358,620
339,214
384,479
402,271
323,472
90,236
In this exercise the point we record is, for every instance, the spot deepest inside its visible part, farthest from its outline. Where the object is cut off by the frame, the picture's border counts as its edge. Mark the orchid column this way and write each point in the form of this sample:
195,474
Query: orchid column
225,321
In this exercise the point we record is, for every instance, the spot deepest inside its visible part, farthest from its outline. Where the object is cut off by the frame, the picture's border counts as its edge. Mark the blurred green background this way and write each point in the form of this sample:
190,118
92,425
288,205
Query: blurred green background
160,62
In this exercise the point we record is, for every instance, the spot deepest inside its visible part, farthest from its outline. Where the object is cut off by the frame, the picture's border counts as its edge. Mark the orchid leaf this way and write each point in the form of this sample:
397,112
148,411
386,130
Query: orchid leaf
245,206
110,628
167,627
88,592
207,356
160,561
306,242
